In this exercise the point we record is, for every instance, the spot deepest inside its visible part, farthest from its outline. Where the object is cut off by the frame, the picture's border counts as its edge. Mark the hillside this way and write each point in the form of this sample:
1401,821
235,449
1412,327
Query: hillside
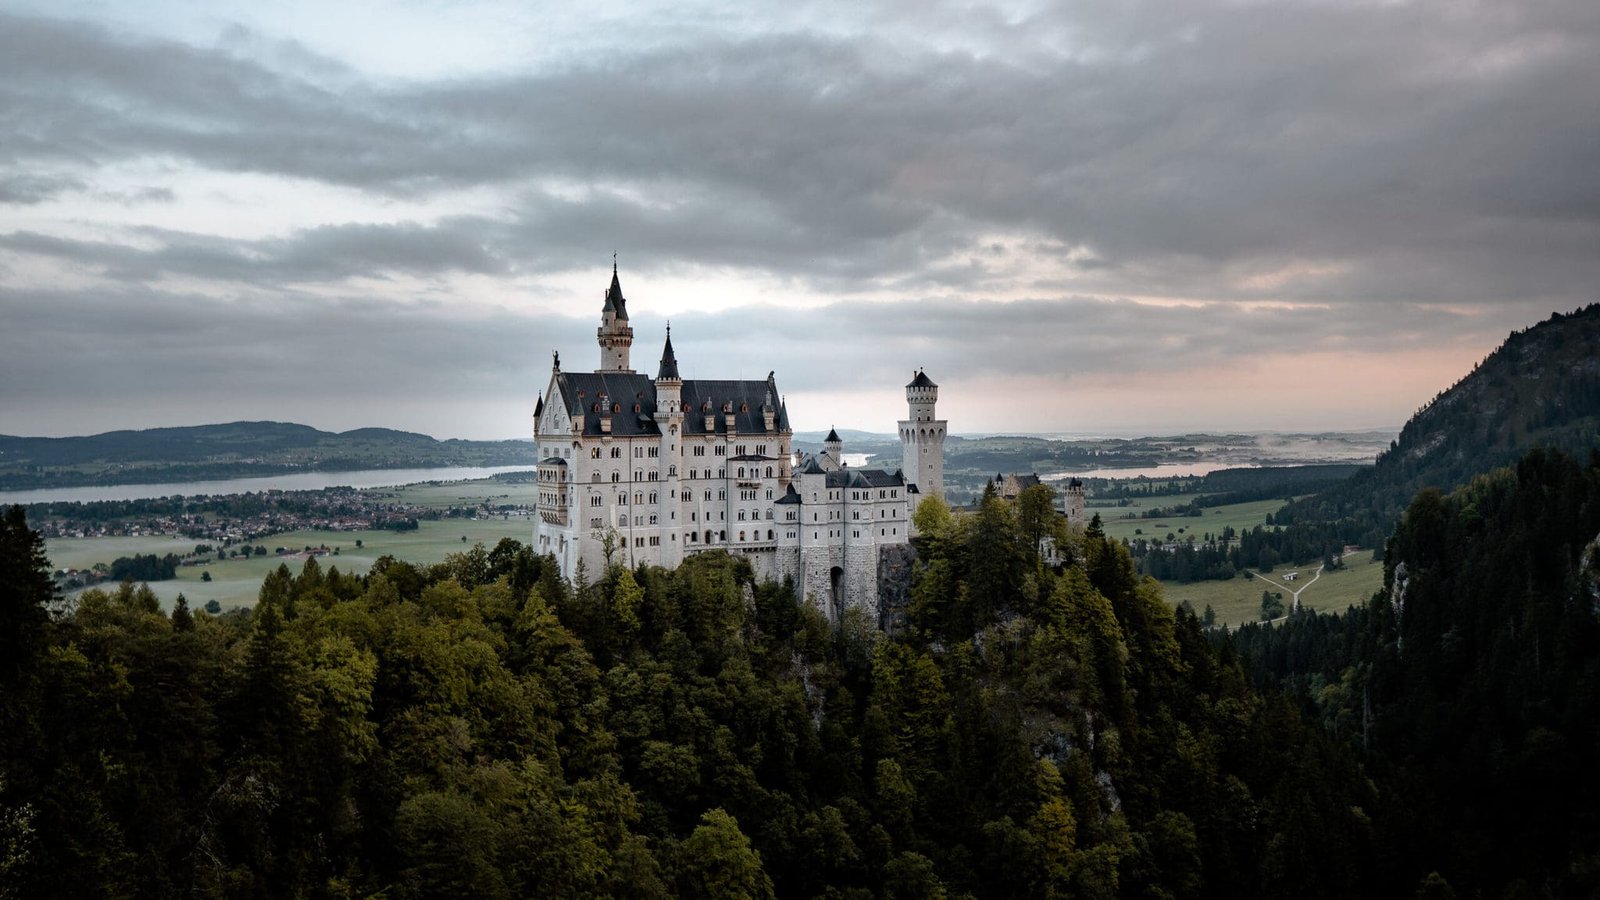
1541,388
232,450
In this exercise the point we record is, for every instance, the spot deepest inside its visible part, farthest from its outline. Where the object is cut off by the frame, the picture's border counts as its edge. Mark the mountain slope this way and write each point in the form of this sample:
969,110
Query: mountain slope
1541,388
233,449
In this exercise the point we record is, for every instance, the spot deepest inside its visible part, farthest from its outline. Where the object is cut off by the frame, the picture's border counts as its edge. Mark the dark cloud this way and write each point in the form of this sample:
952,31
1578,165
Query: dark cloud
1385,166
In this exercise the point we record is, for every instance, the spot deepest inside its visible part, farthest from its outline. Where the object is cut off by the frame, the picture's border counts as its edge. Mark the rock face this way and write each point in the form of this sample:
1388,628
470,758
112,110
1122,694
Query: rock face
895,564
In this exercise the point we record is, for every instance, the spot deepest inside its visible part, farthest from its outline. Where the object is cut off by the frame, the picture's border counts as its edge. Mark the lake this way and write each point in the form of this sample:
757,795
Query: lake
297,481
1174,470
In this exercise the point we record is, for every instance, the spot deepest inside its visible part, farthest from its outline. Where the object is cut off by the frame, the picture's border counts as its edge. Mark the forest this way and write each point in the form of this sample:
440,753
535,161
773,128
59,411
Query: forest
483,728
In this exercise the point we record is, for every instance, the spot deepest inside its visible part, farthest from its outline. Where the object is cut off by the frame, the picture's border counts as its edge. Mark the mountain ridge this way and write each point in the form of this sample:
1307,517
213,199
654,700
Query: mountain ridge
234,449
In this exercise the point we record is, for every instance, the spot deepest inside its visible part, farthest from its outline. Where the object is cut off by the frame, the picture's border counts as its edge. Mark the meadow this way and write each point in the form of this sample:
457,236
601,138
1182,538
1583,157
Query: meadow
236,582
1238,600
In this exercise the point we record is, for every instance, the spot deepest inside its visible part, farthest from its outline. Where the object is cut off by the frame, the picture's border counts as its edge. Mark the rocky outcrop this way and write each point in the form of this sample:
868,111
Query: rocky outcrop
895,565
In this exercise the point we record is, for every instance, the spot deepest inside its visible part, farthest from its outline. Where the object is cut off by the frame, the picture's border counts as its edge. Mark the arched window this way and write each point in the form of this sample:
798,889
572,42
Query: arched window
616,477
769,534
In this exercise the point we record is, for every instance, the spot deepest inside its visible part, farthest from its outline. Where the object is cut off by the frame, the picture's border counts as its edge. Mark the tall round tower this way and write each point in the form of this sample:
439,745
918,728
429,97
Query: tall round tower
614,335
922,439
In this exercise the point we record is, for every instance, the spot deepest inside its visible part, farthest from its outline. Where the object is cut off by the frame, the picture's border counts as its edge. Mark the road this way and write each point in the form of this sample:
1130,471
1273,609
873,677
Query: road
1295,606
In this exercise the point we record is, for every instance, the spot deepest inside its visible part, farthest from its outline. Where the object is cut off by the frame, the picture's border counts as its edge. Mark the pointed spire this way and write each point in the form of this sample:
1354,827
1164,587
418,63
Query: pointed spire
833,437
669,360
614,299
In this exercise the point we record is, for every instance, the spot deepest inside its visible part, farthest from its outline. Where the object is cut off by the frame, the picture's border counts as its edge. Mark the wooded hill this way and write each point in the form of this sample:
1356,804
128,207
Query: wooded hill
234,450
1541,388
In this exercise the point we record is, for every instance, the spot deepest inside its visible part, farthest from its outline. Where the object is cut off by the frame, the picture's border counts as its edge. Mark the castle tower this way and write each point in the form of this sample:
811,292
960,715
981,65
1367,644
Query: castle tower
1075,502
922,440
833,449
614,335
669,417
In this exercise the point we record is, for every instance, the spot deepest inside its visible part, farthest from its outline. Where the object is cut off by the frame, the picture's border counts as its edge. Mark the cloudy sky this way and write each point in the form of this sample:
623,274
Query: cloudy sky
1124,217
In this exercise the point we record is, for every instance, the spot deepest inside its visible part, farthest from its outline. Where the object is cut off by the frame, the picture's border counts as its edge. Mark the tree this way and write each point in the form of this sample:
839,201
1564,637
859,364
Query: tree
718,861
26,594
1271,606
205,575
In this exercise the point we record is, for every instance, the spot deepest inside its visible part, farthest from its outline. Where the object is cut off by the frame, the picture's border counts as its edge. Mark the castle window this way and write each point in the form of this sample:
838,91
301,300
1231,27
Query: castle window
722,449
722,473
595,453
694,516
741,471
741,515
699,450
596,478
639,497
654,475
761,449
616,477
740,450
741,535
722,535
596,500
722,495
769,534
652,496
708,495
654,452
616,452
638,452
769,471
652,520
672,471
594,522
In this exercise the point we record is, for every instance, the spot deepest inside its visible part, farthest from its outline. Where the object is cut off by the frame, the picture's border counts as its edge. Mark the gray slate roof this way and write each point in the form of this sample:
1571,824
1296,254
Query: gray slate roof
581,391
921,380
614,298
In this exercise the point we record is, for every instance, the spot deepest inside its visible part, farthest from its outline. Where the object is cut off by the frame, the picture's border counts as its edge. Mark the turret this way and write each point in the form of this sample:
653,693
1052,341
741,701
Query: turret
922,439
833,446
669,386
614,335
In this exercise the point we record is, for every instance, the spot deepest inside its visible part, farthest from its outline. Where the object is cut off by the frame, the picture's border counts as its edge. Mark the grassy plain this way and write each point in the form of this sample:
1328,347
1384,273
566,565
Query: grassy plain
1238,600
83,553
1241,516
237,581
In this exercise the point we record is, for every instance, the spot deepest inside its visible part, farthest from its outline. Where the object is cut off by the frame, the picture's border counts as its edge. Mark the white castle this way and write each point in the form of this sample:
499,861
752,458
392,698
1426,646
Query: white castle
654,470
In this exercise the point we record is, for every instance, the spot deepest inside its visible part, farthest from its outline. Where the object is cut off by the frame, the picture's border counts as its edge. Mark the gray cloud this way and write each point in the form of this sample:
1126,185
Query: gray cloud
1379,163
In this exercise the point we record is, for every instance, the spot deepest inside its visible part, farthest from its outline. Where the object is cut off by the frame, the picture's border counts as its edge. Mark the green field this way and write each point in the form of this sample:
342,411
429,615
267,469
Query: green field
236,582
1241,516
467,493
1238,600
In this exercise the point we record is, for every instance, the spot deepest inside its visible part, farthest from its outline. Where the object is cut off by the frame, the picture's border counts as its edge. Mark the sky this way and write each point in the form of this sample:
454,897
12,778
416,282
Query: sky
1124,217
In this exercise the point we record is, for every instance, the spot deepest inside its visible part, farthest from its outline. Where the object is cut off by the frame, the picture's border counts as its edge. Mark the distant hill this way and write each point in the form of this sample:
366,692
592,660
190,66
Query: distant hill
234,449
1541,388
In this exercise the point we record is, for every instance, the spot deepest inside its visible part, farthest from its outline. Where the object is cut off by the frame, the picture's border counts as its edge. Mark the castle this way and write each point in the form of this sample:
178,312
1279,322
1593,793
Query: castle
650,471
